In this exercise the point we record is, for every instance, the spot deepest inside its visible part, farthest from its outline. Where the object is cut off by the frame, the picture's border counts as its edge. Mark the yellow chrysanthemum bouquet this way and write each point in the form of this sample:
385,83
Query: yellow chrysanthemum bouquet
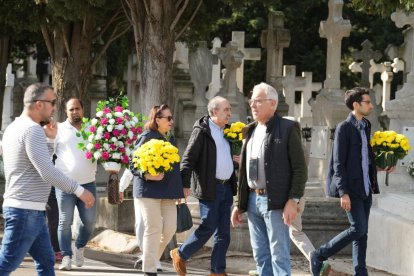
155,157
233,134
388,147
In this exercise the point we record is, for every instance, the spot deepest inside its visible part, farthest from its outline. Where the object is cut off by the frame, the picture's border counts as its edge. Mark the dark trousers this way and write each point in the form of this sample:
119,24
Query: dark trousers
52,213
356,233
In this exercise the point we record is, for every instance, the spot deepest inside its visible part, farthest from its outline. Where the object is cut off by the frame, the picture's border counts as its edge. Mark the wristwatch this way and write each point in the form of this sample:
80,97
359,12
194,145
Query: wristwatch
296,200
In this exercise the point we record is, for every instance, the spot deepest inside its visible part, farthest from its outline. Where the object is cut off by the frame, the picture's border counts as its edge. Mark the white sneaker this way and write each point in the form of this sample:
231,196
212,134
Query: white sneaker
66,263
78,255
159,266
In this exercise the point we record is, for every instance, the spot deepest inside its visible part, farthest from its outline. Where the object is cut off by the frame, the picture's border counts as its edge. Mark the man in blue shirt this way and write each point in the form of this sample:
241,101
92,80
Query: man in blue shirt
352,176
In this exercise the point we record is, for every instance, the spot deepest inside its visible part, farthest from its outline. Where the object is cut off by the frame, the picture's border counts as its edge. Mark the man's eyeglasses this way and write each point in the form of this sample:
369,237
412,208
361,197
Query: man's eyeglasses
169,118
258,101
52,102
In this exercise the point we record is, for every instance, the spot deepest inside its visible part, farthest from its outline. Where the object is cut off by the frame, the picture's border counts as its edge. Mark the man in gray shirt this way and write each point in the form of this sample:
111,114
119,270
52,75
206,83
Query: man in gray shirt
29,174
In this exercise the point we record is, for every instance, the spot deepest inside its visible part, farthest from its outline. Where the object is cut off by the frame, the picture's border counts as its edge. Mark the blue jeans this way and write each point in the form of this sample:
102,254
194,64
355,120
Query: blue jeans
356,233
215,219
26,231
269,237
67,203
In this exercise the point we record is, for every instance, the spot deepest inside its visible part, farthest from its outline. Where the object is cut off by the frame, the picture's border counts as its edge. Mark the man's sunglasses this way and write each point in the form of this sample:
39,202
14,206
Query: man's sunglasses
52,102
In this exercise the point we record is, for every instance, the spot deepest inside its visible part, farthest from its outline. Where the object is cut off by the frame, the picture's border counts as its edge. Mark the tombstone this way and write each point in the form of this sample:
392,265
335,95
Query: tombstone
365,55
181,56
399,195
7,100
200,61
331,97
249,54
132,82
232,58
291,83
274,39
31,63
404,51
307,89
216,81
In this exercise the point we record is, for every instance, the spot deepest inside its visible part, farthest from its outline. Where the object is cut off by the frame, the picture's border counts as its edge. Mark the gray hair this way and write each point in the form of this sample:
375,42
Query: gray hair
270,92
34,92
214,104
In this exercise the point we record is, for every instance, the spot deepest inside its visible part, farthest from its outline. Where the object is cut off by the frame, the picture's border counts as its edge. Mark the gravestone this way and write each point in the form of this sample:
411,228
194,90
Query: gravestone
7,100
275,39
365,55
291,84
216,81
306,109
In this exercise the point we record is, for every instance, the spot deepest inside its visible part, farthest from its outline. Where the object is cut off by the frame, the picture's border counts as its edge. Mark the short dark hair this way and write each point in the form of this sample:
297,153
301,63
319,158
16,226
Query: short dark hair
74,98
155,113
355,95
34,92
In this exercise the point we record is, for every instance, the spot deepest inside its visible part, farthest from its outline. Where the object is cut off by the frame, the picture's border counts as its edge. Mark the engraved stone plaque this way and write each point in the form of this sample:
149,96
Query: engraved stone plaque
409,133
319,142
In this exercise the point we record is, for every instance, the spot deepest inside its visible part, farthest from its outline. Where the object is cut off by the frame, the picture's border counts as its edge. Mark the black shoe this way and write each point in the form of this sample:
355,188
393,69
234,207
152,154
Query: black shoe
315,265
138,264
150,274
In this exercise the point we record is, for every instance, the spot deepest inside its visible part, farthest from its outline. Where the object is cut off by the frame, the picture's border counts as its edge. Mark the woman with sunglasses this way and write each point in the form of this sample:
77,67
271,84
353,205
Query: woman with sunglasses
155,196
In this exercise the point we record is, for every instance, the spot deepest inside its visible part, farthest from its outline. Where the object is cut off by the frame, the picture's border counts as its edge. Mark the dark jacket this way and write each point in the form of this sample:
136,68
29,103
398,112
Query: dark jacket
345,167
285,166
198,165
170,187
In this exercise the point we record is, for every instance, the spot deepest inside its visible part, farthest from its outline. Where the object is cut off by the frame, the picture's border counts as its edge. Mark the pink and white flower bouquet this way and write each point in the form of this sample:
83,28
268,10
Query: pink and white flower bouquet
110,136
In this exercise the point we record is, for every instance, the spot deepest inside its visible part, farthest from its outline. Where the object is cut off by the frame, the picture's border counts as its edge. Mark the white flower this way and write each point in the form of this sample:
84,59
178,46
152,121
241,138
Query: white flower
116,155
90,138
94,121
97,154
109,115
114,139
120,144
100,130
135,119
126,111
127,124
119,114
119,127
133,123
130,134
111,121
106,146
89,146
98,136
110,128
127,151
99,114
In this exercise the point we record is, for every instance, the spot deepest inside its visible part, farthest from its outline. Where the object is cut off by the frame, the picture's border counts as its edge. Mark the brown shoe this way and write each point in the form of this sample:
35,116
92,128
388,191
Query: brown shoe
218,274
179,264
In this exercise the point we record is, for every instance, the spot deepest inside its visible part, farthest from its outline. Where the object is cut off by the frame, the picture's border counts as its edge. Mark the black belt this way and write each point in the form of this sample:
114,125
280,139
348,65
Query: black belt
222,181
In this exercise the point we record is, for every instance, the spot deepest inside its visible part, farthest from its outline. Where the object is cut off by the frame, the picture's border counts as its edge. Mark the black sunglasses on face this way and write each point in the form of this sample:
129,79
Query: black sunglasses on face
52,102
169,118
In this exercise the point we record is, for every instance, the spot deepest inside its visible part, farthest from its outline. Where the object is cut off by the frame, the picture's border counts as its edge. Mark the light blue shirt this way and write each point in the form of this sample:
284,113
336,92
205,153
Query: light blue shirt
224,162
364,154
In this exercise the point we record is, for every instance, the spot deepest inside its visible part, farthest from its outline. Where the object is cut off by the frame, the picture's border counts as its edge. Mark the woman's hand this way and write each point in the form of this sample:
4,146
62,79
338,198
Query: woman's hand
157,177
121,197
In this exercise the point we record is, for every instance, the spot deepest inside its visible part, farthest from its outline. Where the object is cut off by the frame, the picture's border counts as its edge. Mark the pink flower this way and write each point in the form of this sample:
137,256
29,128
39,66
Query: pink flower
97,146
125,159
88,155
92,129
126,117
115,132
124,131
119,120
134,138
106,110
128,141
118,108
107,135
105,155
138,130
104,121
112,146
121,149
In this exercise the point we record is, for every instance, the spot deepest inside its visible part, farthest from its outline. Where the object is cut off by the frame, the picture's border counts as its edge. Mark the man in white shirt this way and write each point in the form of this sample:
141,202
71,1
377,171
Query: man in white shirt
73,163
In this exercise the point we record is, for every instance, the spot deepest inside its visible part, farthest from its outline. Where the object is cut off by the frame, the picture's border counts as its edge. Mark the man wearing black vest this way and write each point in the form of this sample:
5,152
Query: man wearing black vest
272,179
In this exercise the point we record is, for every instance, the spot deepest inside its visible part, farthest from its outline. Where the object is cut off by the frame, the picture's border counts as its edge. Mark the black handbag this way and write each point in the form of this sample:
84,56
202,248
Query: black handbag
184,219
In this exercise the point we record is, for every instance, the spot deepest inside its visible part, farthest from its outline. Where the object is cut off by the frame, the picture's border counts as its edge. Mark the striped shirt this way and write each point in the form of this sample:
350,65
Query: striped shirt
29,171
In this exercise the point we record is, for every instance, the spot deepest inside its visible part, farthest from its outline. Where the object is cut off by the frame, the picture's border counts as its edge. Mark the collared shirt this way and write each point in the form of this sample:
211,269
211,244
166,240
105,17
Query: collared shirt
224,162
71,160
364,155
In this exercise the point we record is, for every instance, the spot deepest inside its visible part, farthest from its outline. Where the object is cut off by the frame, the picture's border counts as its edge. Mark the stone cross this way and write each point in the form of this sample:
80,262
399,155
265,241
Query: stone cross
307,89
334,29
249,54
232,58
274,39
31,63
7,101
291,83
181,56
401,19
398,65
215,84
365,55
386,77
